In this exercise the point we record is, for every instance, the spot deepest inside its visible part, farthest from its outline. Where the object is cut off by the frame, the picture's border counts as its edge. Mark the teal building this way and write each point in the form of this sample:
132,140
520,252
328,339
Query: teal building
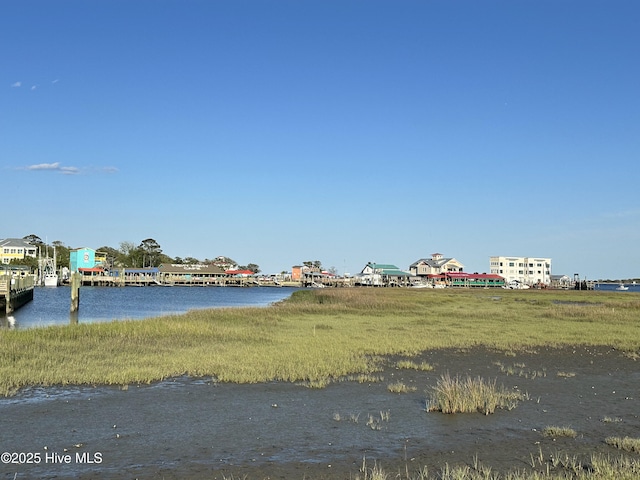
82,258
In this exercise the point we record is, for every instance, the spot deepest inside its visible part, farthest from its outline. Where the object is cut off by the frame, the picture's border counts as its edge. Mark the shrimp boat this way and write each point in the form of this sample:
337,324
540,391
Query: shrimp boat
48,275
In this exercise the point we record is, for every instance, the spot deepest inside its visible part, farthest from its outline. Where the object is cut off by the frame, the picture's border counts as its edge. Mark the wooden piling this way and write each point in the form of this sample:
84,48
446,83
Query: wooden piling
76,281
8,304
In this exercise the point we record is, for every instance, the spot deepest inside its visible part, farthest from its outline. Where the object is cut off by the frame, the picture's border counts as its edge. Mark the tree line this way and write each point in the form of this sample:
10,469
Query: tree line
147,254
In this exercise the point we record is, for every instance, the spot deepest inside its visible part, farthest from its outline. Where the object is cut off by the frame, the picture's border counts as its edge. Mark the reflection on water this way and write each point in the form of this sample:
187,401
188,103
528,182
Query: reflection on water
51,306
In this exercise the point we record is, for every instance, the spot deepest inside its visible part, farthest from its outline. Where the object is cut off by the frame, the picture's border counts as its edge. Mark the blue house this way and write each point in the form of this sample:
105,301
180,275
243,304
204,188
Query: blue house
82,258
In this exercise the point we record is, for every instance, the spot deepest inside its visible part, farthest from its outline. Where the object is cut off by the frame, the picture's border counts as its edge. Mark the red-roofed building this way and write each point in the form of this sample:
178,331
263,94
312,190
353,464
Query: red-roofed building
463,279
239,273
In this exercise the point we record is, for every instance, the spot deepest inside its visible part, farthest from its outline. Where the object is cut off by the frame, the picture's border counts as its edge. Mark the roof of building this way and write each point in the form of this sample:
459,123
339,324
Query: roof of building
386,269
239,272
382,266
467,276
191,269
433,262
15,242
94,269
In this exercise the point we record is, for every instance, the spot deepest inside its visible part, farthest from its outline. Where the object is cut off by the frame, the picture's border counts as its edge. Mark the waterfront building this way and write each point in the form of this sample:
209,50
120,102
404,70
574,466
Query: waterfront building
462,279
16,249
84,258
436,265
189,273
382,274
527,270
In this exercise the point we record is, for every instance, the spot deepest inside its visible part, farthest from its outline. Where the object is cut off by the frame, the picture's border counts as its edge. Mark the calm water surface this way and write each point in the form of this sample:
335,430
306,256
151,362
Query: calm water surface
50,306
633,287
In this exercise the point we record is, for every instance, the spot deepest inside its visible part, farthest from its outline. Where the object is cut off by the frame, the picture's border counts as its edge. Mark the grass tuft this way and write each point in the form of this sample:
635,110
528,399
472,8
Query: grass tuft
467,395
556,432
624,443
411,365
400,387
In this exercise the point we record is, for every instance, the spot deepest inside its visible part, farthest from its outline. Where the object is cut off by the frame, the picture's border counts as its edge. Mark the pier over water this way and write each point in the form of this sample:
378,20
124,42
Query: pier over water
15,291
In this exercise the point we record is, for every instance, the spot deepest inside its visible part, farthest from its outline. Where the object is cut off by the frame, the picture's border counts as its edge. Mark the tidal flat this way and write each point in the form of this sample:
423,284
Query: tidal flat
310,398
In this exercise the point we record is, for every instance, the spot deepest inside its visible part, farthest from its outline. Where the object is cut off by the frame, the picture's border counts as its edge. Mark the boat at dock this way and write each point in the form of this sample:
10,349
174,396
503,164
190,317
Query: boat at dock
48,276
50,280
622,287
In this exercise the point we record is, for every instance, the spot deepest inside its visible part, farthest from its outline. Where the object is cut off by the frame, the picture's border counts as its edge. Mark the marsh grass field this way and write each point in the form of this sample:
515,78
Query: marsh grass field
320,338
314,337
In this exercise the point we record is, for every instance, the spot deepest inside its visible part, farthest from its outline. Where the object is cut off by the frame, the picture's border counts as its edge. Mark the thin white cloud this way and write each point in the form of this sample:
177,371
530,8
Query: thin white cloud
45,166
33,87
69,170
16,84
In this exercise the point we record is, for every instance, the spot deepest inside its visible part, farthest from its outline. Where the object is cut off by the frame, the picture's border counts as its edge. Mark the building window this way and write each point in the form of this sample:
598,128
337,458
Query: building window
511,264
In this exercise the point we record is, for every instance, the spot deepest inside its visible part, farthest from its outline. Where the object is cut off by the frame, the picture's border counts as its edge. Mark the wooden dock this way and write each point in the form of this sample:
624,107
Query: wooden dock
143,281
15,291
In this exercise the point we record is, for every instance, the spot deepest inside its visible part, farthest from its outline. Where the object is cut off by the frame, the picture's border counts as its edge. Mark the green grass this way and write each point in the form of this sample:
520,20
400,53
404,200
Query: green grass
314,338
468,395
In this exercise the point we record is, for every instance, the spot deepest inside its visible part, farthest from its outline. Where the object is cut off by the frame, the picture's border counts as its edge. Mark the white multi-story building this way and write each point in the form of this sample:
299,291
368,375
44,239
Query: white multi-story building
528,270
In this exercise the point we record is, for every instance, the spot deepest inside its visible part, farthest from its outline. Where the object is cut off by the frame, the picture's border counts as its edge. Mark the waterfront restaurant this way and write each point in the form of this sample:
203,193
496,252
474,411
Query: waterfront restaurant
462,279
182,274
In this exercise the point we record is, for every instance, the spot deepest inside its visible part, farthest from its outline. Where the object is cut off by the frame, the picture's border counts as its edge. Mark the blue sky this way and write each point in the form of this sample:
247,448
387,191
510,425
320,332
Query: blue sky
276,132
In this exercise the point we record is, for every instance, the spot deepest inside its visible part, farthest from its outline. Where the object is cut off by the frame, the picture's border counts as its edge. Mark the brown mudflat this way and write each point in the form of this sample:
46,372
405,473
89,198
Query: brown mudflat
198,428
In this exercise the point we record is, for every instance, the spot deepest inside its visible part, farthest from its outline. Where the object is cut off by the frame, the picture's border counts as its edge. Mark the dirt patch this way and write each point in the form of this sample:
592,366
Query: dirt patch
189,428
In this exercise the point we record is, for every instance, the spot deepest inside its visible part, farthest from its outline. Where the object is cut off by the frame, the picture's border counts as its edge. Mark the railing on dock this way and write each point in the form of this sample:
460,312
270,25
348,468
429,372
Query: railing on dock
15,291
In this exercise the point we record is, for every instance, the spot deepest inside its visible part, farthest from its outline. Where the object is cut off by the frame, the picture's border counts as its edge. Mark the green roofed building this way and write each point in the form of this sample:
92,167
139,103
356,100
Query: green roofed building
382,274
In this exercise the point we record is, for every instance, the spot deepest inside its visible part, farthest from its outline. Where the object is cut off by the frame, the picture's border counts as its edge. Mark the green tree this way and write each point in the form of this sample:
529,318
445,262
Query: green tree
253,267
151,252
30,262
165,259
130,255
62,254
316,264
114,257
33,239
